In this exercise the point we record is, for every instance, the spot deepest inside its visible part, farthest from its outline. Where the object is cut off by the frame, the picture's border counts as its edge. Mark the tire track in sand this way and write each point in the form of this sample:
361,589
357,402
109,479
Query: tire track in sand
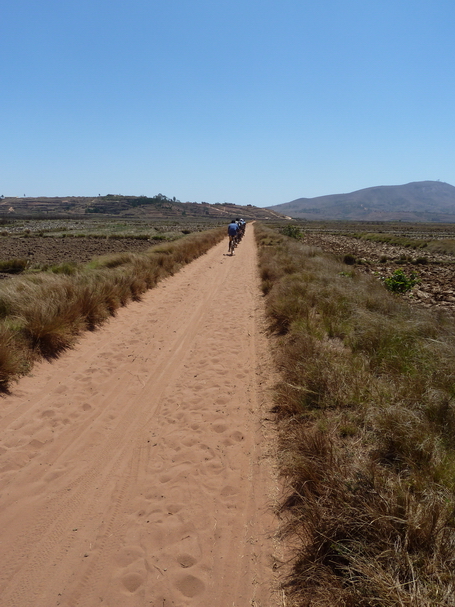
132,469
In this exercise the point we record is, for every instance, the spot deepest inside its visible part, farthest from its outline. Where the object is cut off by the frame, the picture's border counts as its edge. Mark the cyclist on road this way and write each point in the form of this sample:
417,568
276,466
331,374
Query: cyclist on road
242,224
233,229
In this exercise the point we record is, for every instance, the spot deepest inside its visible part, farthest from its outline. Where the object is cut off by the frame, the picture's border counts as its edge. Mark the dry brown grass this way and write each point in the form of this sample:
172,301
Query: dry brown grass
41,315
366,413
445,246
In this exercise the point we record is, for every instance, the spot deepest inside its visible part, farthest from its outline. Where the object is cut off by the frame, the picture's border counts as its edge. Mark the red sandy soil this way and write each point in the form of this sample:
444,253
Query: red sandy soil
137,469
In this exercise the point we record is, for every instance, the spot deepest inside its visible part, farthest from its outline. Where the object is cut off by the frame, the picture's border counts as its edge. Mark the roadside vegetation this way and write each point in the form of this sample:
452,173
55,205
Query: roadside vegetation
43,313
366,417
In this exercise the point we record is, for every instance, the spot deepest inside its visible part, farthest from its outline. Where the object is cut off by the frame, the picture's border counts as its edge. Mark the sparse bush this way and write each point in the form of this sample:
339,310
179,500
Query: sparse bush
292,231
13,266
67,268
399,282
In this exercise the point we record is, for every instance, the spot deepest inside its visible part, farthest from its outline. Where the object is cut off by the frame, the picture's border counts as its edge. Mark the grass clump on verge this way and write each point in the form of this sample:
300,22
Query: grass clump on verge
13,266
42,314
366,417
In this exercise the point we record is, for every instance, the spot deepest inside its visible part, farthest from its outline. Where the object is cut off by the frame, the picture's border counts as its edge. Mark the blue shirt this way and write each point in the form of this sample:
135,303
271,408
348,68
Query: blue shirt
232,229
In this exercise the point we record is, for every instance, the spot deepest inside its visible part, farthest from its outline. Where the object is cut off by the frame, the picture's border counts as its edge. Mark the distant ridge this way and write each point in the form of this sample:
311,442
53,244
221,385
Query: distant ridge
134,207
417,201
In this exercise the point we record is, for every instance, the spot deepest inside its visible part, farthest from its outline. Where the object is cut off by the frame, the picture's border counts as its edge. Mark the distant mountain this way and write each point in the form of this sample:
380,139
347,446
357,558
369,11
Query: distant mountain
135,207
416,201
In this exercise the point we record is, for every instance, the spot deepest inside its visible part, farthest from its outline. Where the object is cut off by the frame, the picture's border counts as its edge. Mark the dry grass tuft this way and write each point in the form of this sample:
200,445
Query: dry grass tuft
10,361
366,416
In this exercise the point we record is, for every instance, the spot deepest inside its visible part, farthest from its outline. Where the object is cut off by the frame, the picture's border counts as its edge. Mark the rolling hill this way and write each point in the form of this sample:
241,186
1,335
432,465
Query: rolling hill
417,201
136,207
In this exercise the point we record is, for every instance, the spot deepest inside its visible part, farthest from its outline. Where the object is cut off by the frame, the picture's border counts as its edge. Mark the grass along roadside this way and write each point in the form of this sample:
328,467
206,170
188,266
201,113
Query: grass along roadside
42,314
366,417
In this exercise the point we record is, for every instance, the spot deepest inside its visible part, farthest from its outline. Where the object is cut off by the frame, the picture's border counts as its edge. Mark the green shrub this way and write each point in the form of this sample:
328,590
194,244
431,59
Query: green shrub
399,282
292,231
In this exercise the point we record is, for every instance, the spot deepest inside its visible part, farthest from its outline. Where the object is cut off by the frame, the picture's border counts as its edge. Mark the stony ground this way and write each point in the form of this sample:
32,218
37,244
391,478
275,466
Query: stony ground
437,277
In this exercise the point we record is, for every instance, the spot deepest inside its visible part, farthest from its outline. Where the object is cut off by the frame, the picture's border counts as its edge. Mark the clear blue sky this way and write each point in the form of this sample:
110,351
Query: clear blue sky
246,101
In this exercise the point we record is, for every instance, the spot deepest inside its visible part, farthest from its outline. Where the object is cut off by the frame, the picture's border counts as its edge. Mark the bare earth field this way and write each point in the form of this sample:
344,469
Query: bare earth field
52,250
136,470
437,277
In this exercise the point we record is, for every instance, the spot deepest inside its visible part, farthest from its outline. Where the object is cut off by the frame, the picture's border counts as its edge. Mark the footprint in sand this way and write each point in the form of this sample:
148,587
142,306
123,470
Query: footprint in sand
186,560
132,581
228,491
190,586
36,444
54,474
48,413
129,555
189,442
238,436
212,467
223,400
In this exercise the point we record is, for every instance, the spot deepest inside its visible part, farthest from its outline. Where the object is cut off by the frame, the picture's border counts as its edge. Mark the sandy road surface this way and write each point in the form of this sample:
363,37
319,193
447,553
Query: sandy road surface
133,470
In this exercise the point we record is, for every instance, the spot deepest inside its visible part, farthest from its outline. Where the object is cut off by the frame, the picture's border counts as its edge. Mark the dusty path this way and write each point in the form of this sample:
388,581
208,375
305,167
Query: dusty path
132,469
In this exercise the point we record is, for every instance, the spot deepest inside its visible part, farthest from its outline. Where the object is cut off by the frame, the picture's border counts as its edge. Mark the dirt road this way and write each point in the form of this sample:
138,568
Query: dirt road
133,470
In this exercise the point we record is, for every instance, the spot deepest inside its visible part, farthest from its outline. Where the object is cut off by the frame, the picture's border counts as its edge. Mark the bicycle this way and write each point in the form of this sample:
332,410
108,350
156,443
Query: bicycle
232,244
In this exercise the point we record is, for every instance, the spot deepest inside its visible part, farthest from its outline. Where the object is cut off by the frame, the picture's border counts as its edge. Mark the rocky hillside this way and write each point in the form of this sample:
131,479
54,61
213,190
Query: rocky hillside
418,201
138,207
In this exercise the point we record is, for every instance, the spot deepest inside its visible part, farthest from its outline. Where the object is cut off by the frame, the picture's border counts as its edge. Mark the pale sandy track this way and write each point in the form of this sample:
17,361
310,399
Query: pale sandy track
133,470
